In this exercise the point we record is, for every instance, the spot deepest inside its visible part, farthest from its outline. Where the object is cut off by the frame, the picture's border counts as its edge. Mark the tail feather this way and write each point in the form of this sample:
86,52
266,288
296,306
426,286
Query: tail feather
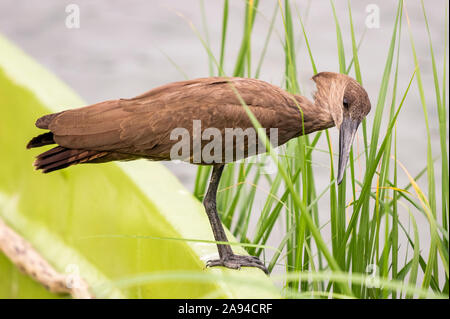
44,121
51,151
60,157
41,140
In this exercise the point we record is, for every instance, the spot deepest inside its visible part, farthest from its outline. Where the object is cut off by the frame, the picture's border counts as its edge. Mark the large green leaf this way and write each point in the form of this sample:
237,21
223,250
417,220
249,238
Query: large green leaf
103,220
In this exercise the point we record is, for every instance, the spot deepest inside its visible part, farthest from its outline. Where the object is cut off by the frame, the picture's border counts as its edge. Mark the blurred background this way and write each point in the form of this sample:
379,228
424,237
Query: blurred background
124,48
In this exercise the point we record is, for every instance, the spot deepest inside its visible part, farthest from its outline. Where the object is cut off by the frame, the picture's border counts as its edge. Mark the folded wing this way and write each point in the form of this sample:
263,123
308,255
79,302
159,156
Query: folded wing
141,126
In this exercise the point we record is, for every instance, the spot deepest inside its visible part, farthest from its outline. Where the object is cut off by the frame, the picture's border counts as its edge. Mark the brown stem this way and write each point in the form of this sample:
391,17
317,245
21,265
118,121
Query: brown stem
29,261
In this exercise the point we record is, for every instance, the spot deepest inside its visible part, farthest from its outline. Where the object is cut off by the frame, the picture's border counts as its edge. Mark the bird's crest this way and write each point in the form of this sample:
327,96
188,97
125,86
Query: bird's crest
331,89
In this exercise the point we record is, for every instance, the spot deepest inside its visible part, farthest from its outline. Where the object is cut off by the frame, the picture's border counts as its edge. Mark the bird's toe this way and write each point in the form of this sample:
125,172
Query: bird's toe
237,261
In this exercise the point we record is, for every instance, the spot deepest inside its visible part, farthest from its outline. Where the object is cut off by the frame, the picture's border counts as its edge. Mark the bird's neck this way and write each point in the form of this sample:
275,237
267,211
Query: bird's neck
313,116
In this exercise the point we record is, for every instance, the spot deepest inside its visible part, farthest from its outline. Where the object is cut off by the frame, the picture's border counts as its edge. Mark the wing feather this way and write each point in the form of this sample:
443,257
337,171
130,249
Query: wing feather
142,125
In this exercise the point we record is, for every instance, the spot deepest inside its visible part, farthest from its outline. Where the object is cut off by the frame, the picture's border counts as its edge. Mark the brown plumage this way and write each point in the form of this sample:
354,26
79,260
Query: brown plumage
141,127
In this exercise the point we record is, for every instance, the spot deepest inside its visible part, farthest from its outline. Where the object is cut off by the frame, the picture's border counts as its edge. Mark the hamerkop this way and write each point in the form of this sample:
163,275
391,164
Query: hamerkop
127,129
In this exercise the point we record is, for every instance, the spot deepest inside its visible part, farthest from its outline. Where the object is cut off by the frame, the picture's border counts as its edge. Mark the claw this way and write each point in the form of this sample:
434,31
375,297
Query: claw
237,261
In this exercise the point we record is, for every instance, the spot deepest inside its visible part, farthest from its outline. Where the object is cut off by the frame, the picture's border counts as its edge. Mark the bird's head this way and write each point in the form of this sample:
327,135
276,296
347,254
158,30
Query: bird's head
348,104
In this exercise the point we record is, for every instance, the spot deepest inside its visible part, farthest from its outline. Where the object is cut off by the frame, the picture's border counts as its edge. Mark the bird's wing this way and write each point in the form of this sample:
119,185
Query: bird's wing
138,125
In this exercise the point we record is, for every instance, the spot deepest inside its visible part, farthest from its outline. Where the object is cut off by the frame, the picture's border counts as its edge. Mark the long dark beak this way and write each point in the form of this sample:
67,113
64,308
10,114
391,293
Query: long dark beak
346,135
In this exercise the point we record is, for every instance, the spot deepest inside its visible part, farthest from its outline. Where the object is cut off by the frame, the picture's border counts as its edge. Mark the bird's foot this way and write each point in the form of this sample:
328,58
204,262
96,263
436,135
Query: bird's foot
238,261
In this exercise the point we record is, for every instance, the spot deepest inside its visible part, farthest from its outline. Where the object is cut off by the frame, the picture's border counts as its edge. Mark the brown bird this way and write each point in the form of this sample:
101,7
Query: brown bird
142,127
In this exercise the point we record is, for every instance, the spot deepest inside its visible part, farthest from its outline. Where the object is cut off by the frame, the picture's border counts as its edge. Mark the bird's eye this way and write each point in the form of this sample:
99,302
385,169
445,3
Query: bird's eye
345,102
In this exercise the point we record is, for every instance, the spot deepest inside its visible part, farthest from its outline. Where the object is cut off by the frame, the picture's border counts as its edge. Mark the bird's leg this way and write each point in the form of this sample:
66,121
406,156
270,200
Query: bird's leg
226,256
